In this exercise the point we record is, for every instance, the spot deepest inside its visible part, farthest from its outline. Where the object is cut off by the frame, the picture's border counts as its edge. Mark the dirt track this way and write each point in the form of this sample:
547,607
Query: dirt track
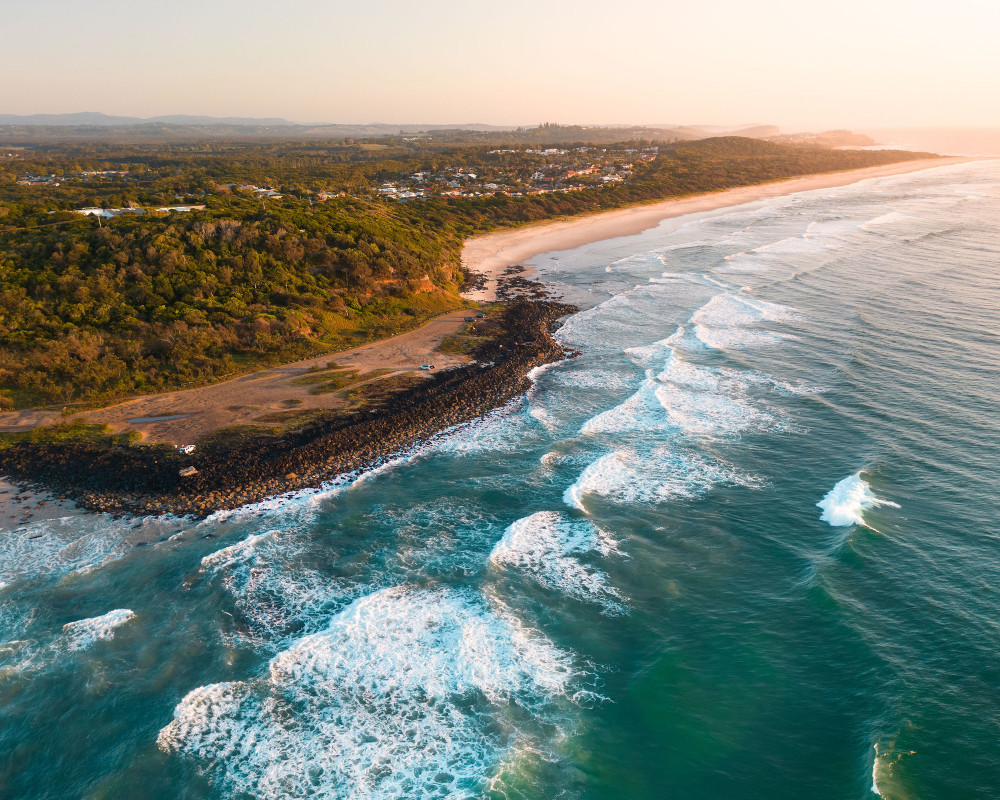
242,400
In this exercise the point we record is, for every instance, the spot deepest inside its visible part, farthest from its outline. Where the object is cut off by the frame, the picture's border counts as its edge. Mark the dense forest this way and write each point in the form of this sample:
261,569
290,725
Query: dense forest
93,309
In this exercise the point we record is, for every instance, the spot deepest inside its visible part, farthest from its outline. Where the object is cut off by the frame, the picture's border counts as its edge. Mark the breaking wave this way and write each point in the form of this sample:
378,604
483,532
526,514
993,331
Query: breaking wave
84,632
407,693
845,503
547,547
627,476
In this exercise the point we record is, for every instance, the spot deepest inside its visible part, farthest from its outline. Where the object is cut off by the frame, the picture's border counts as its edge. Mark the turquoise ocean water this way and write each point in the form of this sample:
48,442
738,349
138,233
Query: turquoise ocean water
746,546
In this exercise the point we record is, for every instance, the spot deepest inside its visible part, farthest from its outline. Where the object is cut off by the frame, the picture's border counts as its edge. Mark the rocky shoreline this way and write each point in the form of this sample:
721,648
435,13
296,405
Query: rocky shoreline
233,471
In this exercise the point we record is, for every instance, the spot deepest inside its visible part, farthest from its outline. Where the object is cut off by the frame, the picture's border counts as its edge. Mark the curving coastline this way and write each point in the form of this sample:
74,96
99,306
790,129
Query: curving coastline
236,471
486,256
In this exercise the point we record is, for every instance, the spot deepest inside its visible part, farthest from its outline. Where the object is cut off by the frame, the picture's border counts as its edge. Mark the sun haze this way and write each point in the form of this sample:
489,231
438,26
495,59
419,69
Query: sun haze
856,63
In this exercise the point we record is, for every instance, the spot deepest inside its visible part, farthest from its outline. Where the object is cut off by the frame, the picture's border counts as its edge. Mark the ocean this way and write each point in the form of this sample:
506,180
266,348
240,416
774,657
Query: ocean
745,546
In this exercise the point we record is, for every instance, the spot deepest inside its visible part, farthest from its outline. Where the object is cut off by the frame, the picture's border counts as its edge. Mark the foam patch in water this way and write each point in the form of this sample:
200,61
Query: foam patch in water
729,321
736,338
845,503
886,219
627,476
656,352
820,236
407,693
57,547
546,547
688,398
735,310
274,593
709,400
641,412
84,632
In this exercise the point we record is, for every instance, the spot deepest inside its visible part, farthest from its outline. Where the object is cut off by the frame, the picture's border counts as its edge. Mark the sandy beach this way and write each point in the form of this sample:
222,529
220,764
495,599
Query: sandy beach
489,254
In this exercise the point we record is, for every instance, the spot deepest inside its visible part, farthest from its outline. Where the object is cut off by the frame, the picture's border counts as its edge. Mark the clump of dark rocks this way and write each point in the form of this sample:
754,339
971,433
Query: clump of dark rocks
252,464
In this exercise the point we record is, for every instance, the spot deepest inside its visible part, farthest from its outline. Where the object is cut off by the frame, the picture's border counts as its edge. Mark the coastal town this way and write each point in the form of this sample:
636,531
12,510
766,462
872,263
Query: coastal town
521,172
512,172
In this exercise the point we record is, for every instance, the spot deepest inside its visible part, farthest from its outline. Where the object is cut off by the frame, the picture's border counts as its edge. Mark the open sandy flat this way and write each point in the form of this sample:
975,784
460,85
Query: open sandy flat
241,400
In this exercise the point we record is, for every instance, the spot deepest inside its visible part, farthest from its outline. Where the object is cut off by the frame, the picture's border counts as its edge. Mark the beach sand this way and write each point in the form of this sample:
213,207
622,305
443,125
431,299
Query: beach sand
488,255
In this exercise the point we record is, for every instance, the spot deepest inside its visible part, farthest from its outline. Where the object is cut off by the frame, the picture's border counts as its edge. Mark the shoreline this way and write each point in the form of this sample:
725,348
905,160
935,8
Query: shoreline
106,474
485,257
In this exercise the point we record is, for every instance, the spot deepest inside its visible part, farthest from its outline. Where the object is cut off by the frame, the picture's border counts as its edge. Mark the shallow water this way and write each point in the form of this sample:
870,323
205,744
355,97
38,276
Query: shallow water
745,546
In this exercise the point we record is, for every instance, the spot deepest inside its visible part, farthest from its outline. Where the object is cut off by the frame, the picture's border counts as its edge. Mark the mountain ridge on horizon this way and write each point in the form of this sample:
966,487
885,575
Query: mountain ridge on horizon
99,118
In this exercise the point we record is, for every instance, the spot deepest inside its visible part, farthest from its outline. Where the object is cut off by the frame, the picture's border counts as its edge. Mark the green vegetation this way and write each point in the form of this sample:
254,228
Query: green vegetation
92,310
76,432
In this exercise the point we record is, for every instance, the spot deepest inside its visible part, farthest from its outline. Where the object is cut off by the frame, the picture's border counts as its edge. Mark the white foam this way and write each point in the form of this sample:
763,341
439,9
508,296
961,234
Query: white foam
710,400
876,769
593,379
640,412
662,474
819,236
886,219
730,320
546,546
736,338
692,399
735,310
407,693
84,632
57,547
845,503
275,594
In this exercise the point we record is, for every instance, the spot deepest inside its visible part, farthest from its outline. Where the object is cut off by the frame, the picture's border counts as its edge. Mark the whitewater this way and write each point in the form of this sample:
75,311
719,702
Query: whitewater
744,546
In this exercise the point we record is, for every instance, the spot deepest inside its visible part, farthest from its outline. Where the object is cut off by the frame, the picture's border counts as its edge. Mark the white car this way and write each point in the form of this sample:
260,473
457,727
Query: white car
426,366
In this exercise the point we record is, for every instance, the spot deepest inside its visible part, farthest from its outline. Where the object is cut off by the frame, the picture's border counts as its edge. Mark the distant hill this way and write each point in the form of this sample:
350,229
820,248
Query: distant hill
95,125
839,138
96,118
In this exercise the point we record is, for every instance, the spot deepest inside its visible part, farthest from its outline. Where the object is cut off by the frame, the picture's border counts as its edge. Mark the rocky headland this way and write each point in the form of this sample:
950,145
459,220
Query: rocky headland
112,475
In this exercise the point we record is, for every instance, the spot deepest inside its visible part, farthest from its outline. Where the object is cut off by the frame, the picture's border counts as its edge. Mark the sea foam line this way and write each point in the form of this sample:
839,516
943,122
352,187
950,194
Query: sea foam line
547,547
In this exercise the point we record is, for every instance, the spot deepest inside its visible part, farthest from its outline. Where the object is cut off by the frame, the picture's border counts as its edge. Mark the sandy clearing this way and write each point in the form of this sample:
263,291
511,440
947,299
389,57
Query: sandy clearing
241,400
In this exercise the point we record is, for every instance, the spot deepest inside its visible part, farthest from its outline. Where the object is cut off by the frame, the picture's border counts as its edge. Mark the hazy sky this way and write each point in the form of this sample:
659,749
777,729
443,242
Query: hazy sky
796,63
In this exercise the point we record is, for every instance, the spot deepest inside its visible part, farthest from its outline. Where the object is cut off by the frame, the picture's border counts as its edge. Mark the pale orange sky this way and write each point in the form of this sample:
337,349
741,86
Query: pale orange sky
788,62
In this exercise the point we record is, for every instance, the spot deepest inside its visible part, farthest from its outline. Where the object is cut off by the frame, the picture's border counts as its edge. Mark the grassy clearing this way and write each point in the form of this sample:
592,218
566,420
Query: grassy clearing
338,382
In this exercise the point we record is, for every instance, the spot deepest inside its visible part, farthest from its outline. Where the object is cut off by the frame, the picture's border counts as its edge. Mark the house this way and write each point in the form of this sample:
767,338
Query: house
108,213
